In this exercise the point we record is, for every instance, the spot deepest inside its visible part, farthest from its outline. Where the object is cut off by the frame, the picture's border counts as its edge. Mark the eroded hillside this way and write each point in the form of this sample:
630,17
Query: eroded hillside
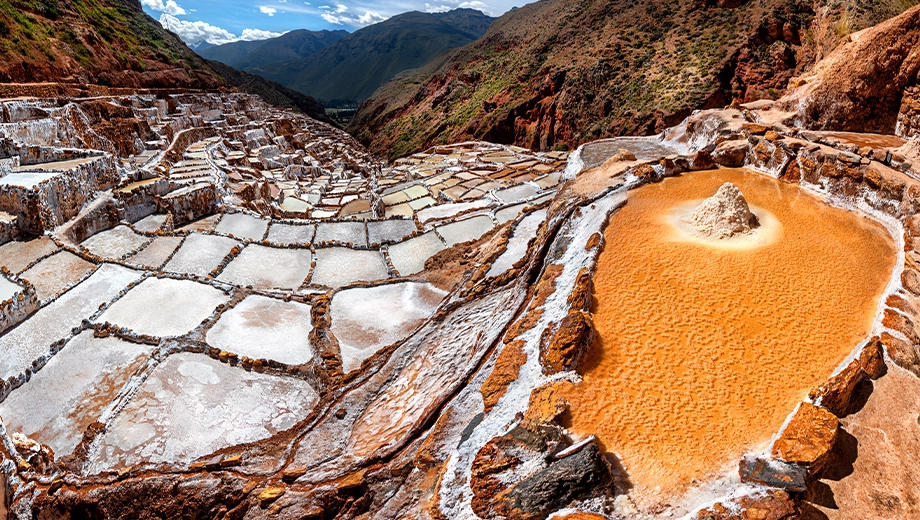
560,73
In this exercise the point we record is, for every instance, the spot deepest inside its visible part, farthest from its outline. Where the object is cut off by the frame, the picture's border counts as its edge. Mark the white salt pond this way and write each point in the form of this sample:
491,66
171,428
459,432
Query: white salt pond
516,193
8,289
115,243
242,225
163,307
268,268
465,230
387,231
517,244
25,343
16,256
200,254
150,223
157,253
364,320
338,266
343,232
55,273
409,257
449,210
287,234
73,390
265,328
192,405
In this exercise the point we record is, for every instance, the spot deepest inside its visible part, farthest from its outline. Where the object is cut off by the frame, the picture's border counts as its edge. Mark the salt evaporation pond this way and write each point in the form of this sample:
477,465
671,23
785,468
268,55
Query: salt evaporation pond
517,244
57,272
286,234
163,307
465,230
265,328
338,266
241,225
200,254
73,390
192,405
409,256
644,148
16,256
364,320
269,268
116,243
703,350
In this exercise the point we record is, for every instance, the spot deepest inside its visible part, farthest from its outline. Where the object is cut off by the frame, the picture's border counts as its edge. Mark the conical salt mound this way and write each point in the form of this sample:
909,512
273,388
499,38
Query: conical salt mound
724,215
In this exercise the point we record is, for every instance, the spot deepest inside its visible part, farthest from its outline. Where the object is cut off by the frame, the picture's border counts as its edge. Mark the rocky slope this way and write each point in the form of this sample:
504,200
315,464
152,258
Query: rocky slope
287,47
861,85
563,72
106,42
350,70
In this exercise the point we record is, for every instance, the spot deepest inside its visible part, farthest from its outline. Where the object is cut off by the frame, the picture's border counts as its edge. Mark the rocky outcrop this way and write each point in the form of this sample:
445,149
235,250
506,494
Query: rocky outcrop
724,215
860,86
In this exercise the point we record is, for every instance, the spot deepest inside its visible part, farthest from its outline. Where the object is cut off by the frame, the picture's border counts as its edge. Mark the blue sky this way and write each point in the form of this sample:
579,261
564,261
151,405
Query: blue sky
223,21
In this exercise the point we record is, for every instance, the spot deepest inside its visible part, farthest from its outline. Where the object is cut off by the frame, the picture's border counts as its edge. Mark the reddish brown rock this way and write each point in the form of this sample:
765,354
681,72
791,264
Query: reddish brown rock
836,394
507,366
808,438
731,154
904,354
772,505
569,344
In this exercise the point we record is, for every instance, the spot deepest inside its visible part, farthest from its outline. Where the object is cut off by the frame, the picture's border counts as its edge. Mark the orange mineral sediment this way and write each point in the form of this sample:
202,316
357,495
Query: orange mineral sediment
705,348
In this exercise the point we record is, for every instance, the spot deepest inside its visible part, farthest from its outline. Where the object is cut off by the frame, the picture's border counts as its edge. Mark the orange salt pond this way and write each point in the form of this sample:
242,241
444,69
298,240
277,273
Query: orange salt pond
705,346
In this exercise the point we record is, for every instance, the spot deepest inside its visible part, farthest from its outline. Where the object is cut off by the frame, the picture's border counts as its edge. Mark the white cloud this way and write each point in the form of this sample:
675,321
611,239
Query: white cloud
335,15
341,8
457,4
370,17
270,11
194,32
168,7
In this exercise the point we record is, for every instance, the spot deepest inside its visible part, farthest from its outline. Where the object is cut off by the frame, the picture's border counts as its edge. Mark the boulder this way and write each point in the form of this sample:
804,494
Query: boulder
773,473
808,438
731,153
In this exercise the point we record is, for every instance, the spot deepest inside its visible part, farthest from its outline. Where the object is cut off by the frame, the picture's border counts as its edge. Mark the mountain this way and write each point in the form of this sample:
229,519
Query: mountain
557,73
287,47
106,42
351,69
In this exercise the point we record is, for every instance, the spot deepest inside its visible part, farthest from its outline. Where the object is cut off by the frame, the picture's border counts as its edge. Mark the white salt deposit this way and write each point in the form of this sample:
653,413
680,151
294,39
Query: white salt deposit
387,231
20,346
338,266
724,215
465,230
115,243
150,223
55,273
516,193
8,289
517,244
200,254
155,255
163,307
72,390
268,268
265,328
241,225
364,320
286,234
192,405
16,256
409,257
343,232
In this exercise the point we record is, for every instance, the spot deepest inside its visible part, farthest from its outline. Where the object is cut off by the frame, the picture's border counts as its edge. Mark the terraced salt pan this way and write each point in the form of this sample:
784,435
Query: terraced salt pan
8,289
157,253
203,224
343,232
163,307
242,225
53,274
31,339
465,230
444,211
265,328
517,244
516,193
150,223
364,320
409,257
510,213
338,266
268,268
387,231
704,350
286,234
16,256
73,390
192,405
115,243
200,254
